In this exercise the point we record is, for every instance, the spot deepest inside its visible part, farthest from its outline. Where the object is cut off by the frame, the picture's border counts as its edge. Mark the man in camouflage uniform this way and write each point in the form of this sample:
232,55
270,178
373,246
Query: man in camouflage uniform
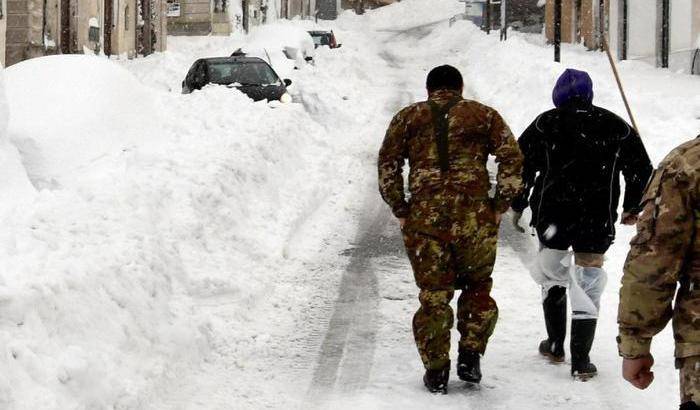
450,224
665,253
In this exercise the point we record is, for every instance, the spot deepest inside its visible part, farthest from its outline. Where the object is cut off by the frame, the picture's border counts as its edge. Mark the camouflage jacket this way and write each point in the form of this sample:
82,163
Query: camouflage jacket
665,253
475,131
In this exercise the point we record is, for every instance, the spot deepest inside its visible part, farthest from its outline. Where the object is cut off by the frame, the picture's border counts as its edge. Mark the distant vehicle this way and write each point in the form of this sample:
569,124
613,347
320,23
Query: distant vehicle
324,38
251,75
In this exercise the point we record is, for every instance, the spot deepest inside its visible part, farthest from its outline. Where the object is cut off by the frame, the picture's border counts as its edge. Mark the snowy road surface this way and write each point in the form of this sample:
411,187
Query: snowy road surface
243,259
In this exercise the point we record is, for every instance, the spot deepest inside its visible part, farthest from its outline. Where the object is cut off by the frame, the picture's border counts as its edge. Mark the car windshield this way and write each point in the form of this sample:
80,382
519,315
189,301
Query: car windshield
321,39
230,72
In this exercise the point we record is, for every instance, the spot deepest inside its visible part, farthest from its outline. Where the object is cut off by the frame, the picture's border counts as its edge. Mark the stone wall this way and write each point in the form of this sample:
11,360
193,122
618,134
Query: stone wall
195,18
3,27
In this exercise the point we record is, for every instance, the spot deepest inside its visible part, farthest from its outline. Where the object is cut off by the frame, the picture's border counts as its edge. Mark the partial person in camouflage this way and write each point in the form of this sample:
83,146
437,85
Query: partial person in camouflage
450,223
664,254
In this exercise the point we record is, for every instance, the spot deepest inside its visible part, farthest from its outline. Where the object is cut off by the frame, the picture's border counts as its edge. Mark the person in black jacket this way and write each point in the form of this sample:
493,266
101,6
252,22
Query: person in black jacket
574,155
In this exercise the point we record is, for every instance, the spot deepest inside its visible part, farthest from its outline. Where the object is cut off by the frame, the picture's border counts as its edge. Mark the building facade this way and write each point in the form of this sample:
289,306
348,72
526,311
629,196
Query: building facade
522,15
122,28
665,33
298,8
217,17
193,17
582,21
361,5
328,9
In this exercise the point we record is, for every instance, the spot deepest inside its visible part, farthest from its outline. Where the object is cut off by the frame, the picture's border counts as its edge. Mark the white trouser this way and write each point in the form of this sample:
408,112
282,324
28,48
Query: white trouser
554,268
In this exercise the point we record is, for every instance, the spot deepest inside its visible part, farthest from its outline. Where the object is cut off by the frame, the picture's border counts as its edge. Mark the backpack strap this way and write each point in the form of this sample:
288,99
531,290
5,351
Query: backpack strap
441,126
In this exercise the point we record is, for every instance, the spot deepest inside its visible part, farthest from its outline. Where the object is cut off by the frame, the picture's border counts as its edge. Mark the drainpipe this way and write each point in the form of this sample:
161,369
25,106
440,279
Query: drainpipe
246,17
623,31
663,42
557,31
504,20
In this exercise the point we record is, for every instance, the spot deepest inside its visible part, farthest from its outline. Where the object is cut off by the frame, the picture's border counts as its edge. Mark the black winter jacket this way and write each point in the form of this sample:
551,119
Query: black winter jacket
573,160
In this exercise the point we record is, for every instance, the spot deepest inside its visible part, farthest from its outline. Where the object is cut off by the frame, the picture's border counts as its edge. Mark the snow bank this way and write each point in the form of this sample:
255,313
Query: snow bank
413,14
4,110
282,33
15,188
90,278
101,276
95,109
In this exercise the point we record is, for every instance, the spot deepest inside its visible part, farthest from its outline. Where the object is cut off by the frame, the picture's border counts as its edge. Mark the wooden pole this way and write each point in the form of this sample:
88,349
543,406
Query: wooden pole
619,83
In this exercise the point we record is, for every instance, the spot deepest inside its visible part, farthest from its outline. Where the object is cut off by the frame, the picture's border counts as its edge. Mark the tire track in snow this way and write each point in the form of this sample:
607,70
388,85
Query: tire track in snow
347,352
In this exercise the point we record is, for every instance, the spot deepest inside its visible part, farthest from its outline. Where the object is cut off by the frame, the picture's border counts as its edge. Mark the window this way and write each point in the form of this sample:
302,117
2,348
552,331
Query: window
126,18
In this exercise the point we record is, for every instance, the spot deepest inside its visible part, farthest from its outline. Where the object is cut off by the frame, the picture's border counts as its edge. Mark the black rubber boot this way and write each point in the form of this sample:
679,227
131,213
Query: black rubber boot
582,334
689,406
554,307
436,380
469,366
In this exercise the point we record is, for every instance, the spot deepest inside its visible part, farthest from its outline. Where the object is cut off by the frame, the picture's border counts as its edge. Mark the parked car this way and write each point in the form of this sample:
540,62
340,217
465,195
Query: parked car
324,38
252,76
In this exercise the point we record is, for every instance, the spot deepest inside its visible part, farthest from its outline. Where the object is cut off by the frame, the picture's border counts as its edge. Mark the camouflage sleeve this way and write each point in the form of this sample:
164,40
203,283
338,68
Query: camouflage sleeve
655,261
392,156
510,162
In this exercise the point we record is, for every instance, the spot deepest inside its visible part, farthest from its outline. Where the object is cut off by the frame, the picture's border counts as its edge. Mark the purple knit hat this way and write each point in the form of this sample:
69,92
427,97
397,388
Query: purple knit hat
573,86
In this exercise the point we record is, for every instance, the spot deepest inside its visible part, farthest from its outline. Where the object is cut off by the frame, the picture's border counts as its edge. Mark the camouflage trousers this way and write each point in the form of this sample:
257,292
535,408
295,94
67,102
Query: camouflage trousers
440,267
690,378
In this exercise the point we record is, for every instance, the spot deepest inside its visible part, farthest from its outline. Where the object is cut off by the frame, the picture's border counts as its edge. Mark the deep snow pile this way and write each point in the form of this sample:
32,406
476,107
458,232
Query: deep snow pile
280,40
15,187
101,275
95,109
89,274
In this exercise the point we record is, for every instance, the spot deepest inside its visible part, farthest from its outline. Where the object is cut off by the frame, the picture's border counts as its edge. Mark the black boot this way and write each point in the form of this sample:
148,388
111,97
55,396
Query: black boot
436,380
582,334
469,366
689,406
554,307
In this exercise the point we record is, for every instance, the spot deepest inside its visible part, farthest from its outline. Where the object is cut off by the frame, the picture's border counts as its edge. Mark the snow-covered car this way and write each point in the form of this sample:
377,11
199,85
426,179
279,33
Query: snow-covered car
324,38
283,66
295,42
251,75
